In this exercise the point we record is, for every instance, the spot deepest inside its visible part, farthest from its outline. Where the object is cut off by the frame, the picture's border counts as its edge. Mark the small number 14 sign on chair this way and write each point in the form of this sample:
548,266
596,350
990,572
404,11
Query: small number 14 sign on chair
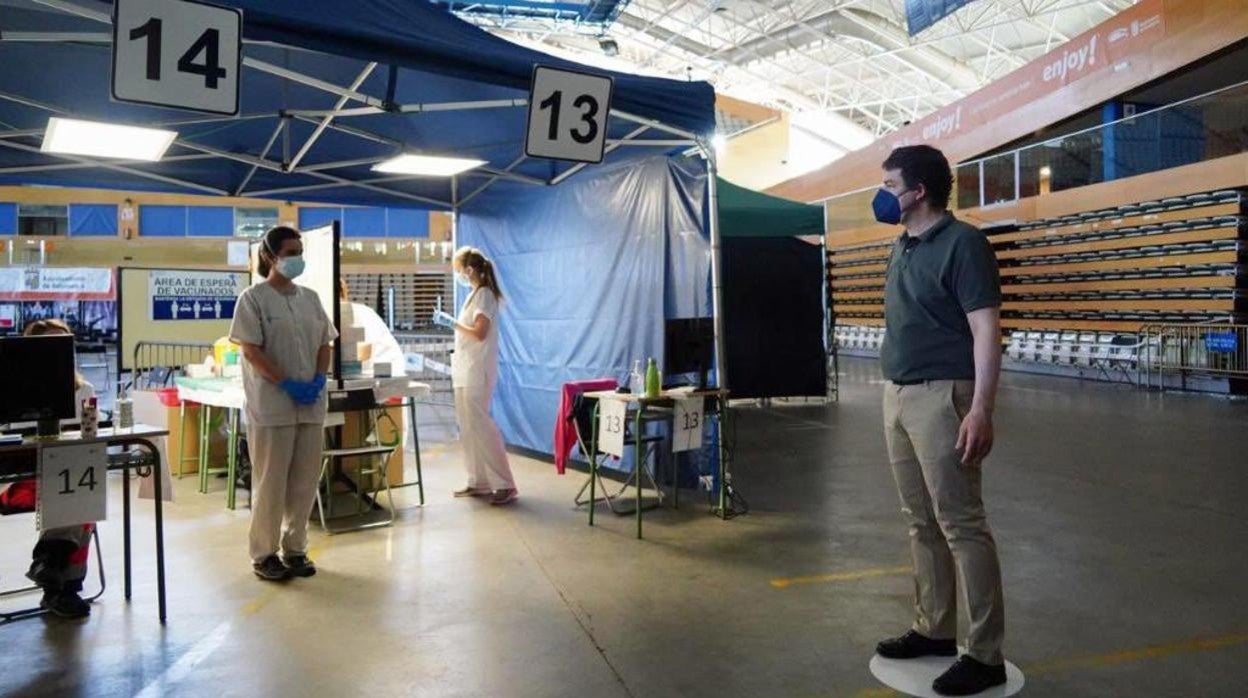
73,486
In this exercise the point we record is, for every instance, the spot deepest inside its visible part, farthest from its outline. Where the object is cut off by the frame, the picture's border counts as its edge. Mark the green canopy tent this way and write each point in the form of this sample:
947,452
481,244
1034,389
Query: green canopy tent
773,295
745,213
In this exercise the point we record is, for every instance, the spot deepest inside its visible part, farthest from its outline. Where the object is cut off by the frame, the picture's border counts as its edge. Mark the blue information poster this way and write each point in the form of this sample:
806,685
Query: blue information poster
921,14
194,295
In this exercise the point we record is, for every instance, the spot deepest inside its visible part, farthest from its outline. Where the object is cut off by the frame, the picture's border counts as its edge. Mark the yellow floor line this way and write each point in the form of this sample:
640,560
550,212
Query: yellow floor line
785,582
257,604
1136,655
1097,661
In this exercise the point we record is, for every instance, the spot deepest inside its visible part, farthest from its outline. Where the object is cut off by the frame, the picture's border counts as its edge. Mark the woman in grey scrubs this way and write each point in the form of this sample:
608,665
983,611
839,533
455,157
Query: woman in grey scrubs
285,336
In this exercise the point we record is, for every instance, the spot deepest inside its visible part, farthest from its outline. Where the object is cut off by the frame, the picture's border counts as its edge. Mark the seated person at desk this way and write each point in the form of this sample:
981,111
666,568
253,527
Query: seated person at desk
59,561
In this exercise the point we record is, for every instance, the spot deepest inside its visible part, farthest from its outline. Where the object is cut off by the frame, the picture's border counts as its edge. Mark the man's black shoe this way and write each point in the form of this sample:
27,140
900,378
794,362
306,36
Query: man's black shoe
969,676
913,645
299,566
271,569
65,604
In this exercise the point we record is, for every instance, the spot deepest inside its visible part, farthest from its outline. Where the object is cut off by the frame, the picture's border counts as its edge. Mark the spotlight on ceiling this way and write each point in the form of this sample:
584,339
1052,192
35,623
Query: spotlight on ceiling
609,47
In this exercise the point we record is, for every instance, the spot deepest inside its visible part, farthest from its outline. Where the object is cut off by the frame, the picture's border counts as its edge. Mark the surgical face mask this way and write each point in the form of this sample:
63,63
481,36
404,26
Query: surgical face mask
290,267
887,206
462,279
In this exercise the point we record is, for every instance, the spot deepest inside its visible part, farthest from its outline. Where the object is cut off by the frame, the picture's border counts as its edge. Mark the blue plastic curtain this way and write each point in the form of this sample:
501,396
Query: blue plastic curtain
589,271
210,221
92,220
8,219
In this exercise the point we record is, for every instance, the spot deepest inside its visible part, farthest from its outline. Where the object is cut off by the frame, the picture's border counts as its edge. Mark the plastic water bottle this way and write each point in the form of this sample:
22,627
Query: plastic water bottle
636,380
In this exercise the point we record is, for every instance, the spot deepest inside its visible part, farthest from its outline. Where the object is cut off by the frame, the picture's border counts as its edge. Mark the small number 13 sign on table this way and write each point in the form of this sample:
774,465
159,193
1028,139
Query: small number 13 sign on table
568,114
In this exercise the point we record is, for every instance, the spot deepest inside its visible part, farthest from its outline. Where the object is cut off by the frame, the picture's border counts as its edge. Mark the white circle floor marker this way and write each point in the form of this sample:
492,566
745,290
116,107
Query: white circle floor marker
914,677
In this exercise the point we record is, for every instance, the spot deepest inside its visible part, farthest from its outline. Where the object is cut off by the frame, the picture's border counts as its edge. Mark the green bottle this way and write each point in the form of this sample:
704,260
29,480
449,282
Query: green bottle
653,385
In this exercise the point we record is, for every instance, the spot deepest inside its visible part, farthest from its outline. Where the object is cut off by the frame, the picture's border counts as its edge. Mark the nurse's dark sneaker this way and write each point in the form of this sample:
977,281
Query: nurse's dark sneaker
912,645
504,497
271,569
969,676
299,566
470,491
65,604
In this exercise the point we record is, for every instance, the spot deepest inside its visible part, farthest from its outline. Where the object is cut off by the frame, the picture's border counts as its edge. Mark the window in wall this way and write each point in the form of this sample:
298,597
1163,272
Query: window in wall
254,222
999,179
40,219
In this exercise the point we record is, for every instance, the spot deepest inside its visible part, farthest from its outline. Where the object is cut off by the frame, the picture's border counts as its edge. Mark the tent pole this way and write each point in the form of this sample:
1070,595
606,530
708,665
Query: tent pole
717,322
717,288
454,243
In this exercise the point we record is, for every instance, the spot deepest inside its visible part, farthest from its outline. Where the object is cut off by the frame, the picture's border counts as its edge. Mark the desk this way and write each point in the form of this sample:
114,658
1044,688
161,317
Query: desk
20,462
638,405
227,394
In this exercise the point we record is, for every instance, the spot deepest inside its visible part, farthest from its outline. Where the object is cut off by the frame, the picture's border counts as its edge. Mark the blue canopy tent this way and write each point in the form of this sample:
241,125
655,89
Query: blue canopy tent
330,89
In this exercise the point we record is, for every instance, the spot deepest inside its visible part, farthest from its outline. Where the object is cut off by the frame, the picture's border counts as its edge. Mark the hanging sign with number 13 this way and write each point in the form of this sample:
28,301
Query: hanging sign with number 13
177,53
72,487
568,114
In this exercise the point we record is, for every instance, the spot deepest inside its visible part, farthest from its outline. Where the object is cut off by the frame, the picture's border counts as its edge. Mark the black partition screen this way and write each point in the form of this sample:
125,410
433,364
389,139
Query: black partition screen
773,313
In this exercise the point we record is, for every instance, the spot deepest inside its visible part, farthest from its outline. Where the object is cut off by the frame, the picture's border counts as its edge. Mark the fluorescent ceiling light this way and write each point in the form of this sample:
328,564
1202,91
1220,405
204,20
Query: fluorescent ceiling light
101,140
427,165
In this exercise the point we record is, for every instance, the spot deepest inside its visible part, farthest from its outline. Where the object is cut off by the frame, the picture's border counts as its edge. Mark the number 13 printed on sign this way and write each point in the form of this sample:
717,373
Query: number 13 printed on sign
687,425
568,114
611,425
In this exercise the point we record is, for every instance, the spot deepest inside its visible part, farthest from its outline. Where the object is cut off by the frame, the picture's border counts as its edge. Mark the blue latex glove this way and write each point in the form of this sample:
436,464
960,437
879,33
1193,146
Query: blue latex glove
443,318
293,388
314,388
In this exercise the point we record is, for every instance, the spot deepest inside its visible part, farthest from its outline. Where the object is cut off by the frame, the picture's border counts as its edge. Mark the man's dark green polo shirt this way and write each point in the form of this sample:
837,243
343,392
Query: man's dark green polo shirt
933,281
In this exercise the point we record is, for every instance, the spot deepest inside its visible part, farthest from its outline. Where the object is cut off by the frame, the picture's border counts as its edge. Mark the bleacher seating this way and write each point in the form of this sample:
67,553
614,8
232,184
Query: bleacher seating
1080,288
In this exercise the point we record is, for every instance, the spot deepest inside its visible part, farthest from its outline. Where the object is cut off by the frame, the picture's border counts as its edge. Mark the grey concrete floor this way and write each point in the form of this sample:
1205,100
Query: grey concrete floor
1115,511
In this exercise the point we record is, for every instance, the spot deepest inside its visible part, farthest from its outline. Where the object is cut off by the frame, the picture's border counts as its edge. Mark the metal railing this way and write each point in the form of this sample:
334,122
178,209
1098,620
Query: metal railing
155,363
1200,128
428,360
1219,350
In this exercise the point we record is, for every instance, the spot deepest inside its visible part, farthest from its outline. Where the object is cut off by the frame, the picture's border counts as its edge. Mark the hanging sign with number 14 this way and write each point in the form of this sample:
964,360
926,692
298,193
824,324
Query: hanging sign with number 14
568,114
177,53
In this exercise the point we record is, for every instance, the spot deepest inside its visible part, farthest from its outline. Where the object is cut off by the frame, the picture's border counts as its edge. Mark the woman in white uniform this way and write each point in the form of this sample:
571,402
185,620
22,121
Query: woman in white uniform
285,336
474,372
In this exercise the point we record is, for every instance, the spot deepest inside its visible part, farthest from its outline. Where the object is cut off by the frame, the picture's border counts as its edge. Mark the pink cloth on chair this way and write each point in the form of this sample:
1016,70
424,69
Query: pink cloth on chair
565,431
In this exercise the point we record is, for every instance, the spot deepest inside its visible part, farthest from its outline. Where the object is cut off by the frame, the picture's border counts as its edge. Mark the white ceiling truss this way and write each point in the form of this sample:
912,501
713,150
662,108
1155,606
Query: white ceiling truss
850,61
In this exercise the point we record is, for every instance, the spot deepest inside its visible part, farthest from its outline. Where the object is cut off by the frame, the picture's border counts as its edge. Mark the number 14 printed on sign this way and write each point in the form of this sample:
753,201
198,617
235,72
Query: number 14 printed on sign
72,486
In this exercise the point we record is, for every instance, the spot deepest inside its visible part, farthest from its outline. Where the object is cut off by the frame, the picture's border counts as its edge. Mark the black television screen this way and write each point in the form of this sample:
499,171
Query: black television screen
37,378
688,346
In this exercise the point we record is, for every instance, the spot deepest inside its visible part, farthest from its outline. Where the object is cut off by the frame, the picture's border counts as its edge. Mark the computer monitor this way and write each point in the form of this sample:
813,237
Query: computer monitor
37,379
688,347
